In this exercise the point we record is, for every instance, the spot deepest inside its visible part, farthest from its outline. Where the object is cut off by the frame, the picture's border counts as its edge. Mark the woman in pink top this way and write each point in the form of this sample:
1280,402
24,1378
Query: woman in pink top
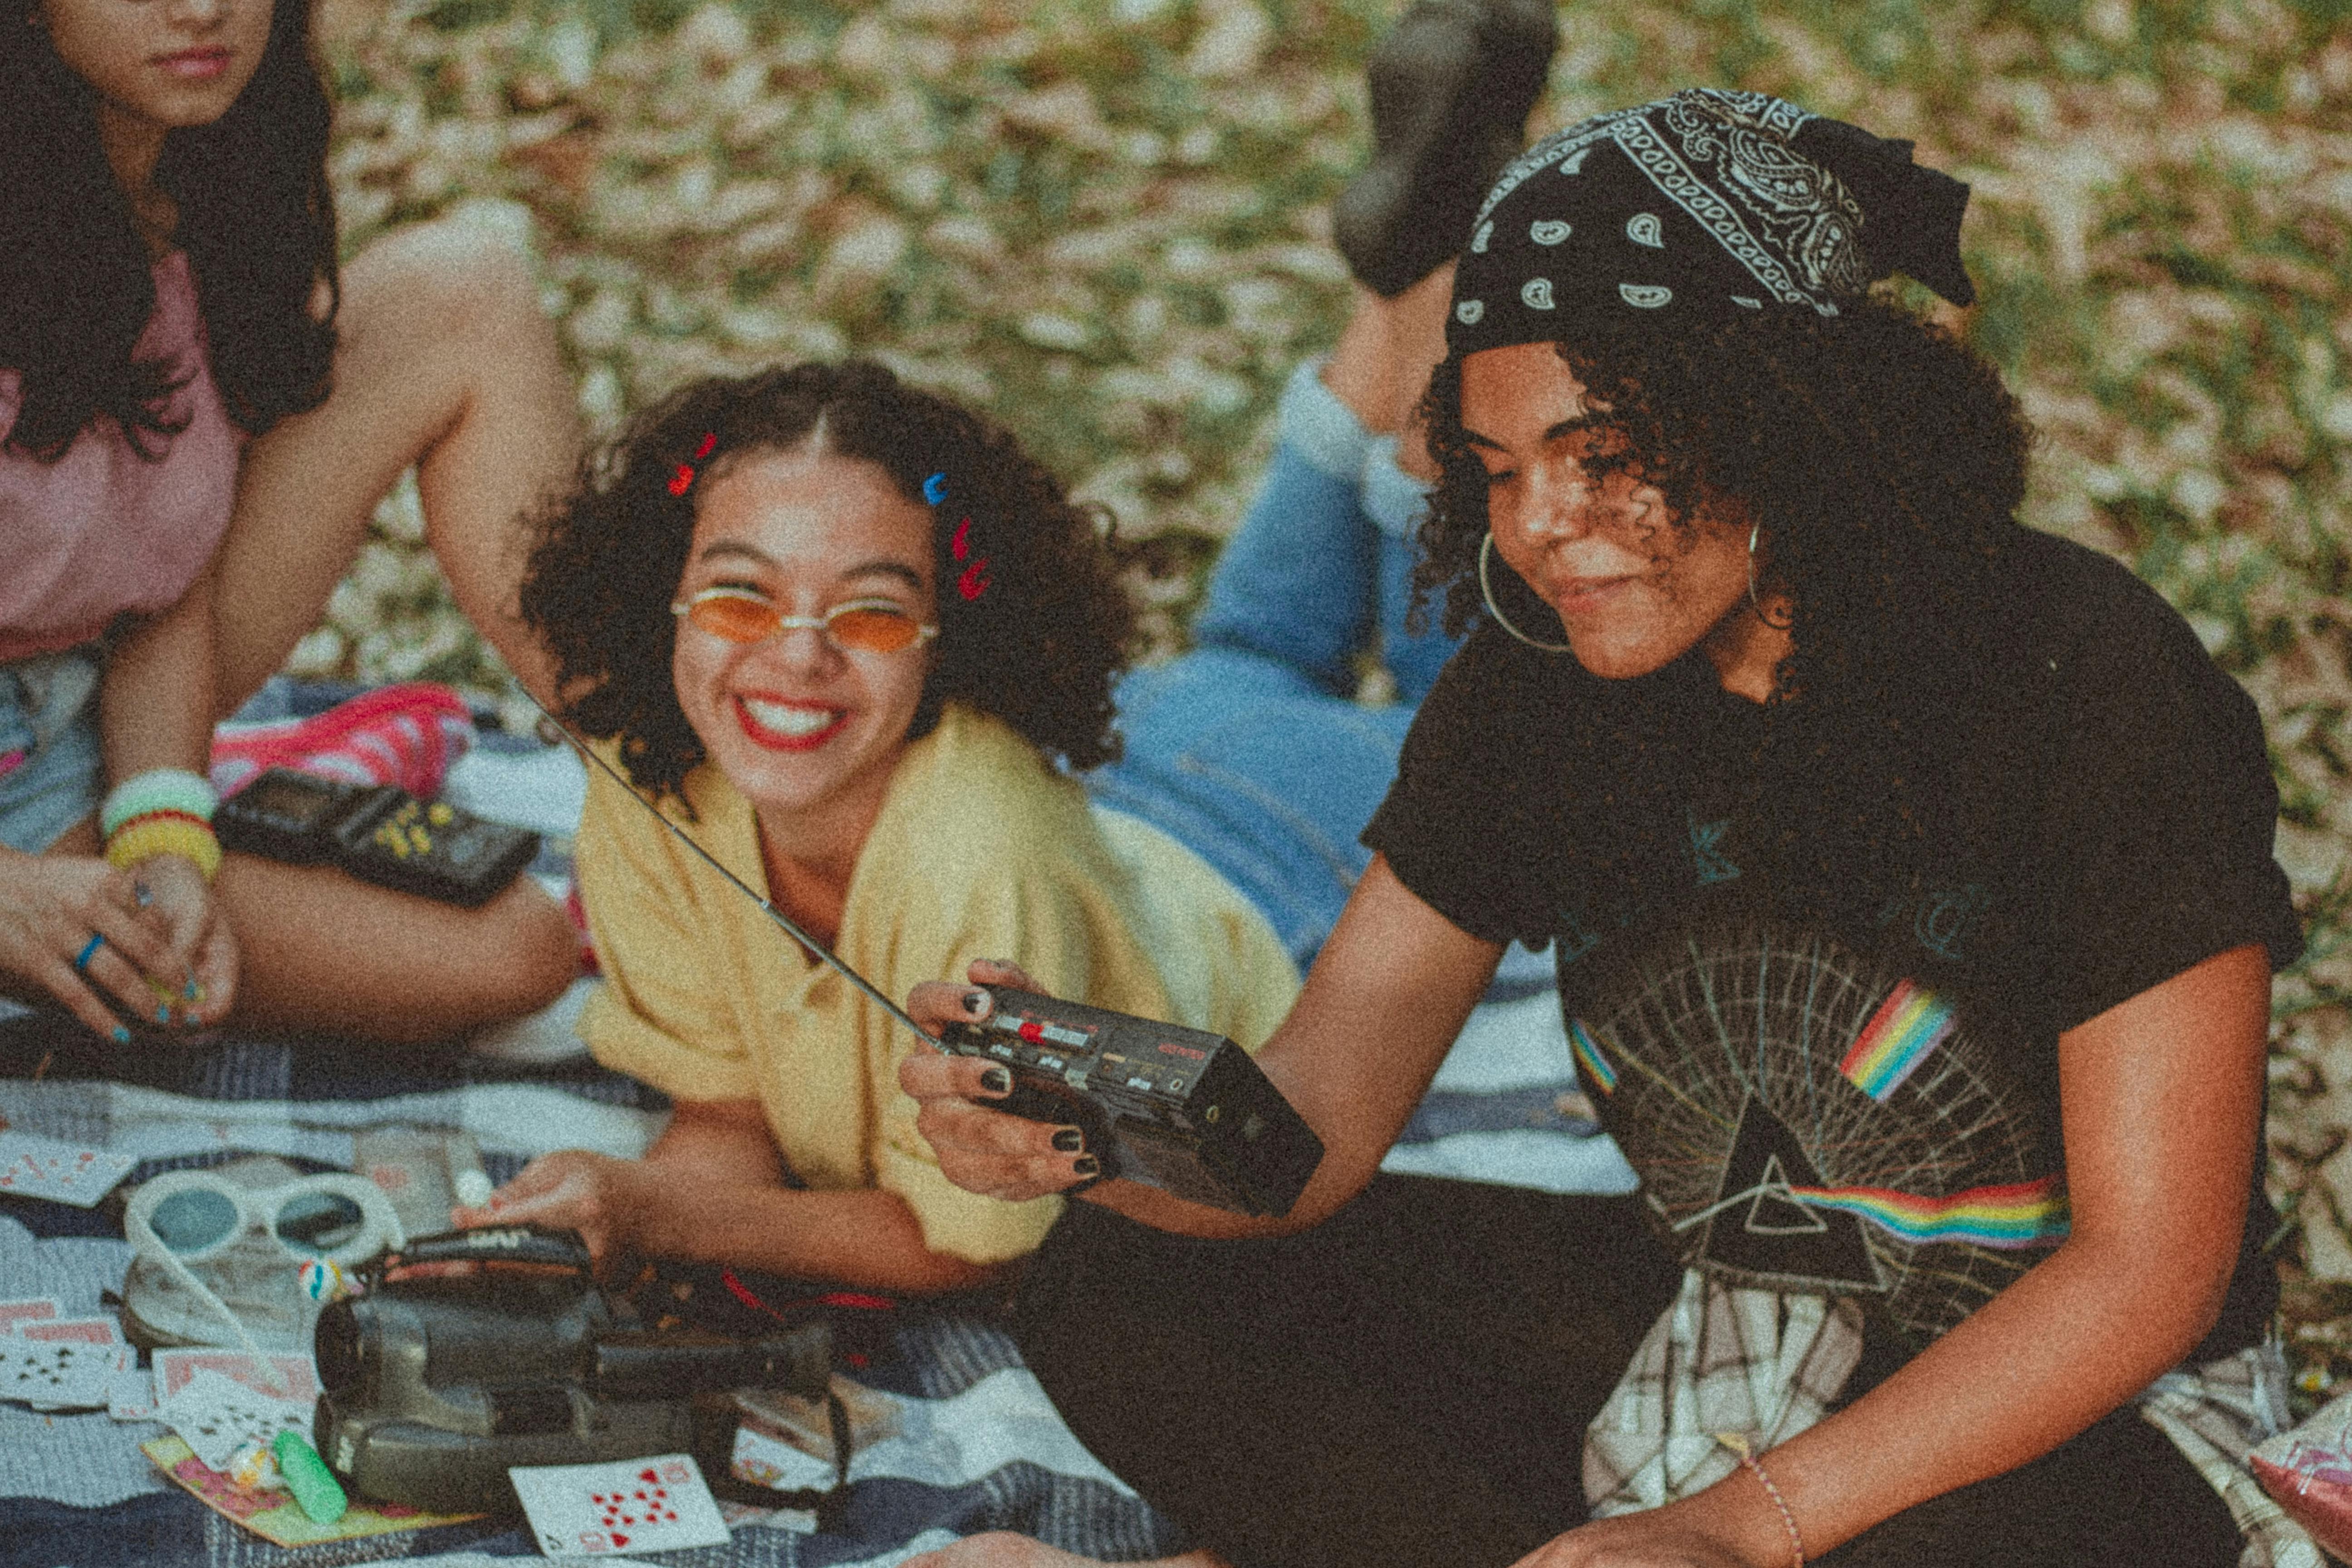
198,413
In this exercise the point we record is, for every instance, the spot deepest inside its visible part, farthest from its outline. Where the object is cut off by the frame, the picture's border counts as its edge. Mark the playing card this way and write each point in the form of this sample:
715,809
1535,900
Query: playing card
66,1375
216,1417
658,1504
34,1310
131,1395
64,1172
174,1369
80,1331
770,1461
92,1379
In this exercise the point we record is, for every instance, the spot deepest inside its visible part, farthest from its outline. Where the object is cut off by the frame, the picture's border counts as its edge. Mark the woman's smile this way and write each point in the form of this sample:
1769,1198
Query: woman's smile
788,724
1575,597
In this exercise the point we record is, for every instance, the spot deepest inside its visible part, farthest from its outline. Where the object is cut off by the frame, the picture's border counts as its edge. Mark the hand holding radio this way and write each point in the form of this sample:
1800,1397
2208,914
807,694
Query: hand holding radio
1154,1103
983,1149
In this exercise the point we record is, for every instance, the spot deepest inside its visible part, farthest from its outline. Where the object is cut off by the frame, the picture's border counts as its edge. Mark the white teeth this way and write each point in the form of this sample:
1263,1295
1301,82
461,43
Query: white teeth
789,719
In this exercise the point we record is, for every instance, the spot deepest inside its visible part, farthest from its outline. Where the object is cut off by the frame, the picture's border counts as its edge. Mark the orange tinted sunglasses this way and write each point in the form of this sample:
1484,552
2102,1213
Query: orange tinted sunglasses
857,626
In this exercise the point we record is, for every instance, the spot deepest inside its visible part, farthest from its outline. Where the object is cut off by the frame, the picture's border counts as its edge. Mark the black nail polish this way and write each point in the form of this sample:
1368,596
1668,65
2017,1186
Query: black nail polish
1069,1140
975,1003
1087,1165
997,1080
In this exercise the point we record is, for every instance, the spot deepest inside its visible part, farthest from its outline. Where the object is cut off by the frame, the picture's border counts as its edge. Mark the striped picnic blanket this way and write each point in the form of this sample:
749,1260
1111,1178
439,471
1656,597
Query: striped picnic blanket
978,1446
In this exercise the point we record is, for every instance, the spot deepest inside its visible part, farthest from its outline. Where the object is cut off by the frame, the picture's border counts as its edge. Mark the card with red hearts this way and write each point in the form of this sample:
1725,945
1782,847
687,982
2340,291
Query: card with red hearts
36,1167
658,1504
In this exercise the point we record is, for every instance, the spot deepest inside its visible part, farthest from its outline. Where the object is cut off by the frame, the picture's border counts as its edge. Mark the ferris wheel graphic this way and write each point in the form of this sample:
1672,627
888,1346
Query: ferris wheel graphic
1803,1119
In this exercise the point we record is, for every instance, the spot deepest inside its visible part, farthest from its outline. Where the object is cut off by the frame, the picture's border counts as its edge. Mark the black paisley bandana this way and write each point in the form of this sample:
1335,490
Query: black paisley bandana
1705,203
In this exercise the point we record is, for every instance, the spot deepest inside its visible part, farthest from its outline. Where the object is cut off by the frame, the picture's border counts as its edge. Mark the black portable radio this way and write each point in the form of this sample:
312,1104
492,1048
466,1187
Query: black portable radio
1172,1108
380,833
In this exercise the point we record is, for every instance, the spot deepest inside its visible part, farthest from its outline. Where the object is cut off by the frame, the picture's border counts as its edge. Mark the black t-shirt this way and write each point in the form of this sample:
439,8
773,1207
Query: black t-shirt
1836,1068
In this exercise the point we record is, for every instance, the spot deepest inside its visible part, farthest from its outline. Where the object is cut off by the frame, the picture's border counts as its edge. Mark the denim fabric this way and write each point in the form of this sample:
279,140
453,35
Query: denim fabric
49,723
1249,748
1253,765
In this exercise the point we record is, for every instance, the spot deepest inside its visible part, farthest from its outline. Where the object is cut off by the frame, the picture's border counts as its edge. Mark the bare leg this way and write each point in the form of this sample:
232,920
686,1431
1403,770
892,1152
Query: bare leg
324,952
1003,1549
445,362
1381,365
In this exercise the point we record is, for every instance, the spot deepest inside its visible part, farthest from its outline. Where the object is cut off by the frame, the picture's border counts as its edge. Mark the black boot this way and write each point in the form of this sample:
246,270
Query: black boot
1452,85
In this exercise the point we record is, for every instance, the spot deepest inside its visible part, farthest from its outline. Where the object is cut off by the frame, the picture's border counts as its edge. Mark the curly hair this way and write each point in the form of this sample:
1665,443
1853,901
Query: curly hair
1885,461
256,218
1038,648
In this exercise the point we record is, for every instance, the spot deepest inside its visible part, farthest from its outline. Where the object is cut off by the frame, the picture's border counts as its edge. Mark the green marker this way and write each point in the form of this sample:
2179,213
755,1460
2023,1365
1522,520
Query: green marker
307,1477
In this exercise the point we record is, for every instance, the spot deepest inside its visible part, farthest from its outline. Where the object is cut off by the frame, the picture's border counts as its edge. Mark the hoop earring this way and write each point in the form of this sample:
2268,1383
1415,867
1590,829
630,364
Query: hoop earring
1755,531
1486,591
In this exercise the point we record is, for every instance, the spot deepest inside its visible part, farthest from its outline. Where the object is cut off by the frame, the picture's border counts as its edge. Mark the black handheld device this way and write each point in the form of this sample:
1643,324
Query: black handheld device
432,1387
1177,1109
1172,1108
380,833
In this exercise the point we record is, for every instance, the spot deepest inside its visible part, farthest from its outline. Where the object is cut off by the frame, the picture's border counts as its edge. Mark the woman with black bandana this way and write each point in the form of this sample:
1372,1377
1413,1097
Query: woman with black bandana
1908,876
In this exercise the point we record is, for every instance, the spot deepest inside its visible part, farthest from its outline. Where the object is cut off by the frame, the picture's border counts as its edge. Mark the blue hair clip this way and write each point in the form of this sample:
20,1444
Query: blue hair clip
935,488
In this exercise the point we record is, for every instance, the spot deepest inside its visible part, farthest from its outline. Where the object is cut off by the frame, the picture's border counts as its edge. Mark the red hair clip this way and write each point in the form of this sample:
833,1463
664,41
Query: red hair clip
683,479
974,581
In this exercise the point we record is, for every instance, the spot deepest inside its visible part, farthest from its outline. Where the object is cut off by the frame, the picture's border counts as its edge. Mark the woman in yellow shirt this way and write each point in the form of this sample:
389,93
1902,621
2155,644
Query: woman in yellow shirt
843,630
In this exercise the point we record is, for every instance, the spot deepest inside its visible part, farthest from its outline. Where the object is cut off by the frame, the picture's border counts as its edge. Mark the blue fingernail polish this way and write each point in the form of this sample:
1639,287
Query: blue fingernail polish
163,1012
191,991
121,1035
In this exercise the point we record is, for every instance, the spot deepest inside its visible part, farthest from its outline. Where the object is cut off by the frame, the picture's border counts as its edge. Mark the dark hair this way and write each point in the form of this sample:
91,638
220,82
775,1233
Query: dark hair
1885,460
1038,648
256,218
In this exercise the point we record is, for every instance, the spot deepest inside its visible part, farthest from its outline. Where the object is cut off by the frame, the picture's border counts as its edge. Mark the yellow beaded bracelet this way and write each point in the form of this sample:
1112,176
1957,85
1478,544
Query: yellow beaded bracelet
164,833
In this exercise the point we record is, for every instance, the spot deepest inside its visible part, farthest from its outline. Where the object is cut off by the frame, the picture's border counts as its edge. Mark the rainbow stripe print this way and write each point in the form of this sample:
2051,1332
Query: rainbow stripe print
1590,1065
2022,1213
1908,1025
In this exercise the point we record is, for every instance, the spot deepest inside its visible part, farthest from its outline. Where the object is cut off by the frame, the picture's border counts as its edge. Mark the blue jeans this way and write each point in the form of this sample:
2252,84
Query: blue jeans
1250,748
51,773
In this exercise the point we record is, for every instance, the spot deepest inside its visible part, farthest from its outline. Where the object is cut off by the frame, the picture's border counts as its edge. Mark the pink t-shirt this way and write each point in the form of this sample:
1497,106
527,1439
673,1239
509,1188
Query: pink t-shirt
102,531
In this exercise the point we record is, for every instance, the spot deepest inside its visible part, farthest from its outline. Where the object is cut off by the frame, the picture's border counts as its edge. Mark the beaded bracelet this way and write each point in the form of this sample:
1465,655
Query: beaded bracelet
1738,1443
157,833
157,789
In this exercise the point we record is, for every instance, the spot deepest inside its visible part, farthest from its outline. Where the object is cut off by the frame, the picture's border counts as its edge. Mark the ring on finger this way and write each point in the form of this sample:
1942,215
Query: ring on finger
89,951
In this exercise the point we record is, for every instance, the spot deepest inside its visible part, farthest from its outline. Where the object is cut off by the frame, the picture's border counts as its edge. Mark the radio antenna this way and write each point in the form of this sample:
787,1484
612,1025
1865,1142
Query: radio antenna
816,948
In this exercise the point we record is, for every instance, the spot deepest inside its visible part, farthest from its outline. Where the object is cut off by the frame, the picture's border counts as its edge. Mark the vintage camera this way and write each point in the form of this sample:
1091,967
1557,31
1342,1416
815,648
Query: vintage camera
433,1386
1173,1108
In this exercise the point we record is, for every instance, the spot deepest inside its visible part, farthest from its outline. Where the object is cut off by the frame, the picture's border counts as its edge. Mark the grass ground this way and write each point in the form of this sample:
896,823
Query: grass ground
1107,222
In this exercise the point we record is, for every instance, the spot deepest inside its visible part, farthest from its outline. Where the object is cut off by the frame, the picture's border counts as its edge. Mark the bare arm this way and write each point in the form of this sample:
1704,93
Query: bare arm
710,1191
1383,1003
2162,1099
156,707
155,711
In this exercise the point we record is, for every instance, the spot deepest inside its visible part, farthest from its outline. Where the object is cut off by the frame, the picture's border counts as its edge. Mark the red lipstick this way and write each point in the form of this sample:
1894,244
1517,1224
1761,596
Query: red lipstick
758,734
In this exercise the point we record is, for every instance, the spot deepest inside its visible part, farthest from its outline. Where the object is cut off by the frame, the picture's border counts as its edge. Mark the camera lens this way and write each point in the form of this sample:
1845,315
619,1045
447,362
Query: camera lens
344,1345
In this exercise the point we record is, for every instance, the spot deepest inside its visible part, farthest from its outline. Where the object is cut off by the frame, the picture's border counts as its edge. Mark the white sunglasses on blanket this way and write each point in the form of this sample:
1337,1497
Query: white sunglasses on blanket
185,1216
